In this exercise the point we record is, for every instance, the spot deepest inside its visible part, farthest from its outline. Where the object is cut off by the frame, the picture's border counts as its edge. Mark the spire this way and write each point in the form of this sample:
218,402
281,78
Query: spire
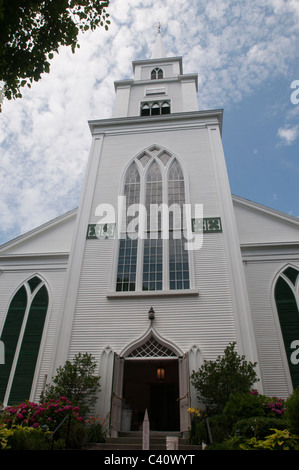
158,51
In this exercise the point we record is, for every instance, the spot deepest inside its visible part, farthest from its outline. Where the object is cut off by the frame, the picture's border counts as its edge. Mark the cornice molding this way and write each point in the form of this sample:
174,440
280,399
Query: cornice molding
161,122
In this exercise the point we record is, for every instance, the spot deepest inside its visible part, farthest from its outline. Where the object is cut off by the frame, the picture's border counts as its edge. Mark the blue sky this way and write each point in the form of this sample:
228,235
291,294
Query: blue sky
246,54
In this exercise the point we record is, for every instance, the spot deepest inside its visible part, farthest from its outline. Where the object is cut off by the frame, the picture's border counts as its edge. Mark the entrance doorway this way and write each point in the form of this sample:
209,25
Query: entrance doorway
136,386
144,388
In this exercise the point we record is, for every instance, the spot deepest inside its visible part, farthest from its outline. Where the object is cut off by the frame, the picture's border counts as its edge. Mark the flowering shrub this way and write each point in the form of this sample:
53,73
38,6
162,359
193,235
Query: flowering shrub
34,415
96,429
275,406
194,412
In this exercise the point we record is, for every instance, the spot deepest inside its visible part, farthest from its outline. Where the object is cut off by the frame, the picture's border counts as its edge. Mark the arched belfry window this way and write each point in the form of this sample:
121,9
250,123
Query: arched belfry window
286,294
156,73
153,257
21,334
155,108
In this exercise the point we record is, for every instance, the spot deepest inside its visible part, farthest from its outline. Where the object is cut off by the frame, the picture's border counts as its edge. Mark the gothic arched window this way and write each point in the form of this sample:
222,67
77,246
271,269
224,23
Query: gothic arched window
154,256
286,294
21,336
156,73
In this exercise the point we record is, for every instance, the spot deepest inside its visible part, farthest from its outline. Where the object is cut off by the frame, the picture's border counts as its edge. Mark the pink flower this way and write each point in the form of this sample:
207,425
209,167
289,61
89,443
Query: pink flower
67,408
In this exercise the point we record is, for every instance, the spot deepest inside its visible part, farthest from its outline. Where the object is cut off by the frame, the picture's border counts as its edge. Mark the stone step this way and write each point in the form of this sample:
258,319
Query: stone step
128,447
133,441
138,440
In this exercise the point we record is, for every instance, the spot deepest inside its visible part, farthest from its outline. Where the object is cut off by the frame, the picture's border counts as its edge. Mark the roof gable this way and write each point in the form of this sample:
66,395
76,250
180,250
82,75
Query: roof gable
53,237
258,224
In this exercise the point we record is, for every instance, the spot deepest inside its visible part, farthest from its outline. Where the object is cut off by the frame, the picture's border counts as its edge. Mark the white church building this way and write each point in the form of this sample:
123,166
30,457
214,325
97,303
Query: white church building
159,269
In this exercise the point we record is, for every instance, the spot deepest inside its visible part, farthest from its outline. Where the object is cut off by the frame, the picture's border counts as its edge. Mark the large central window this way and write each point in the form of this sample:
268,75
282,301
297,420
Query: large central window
152,254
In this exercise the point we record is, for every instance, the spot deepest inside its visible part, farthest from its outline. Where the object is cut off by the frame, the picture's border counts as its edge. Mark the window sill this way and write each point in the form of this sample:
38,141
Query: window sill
160,293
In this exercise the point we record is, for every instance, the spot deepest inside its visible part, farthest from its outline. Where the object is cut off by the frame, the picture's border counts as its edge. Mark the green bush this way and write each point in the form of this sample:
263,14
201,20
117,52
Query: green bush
292,411
76,436
216,380
278,440
199,429
232,443
4,436
258,426
25,438
244,405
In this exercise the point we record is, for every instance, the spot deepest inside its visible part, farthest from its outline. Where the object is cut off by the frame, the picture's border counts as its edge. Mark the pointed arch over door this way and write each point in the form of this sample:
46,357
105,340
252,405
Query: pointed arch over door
286,293
22,333
151,345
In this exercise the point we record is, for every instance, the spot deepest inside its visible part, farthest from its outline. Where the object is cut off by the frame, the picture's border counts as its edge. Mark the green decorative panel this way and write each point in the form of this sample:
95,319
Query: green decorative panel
100,231
25,368
207,225
106,231
10,335
289,321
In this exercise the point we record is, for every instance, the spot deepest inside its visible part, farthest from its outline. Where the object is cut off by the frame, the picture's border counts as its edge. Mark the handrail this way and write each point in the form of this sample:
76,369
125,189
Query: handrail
56,429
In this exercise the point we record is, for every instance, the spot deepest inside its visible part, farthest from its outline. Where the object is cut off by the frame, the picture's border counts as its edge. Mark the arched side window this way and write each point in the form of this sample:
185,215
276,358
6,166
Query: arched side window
287,302
154,258
156,73
21,335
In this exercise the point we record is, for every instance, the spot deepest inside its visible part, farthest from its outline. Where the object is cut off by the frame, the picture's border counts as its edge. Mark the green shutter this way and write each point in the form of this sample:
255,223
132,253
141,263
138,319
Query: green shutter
10,335
25,369
289,321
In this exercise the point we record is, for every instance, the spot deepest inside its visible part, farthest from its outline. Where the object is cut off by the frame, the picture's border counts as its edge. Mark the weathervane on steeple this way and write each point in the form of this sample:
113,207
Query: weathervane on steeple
159,26
158,51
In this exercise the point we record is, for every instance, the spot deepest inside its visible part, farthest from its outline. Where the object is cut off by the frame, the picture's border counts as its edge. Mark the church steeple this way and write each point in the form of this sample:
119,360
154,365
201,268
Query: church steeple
158,51
159,86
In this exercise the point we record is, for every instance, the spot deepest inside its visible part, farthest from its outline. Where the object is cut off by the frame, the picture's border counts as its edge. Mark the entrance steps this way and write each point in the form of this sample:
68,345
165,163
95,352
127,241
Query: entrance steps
132,440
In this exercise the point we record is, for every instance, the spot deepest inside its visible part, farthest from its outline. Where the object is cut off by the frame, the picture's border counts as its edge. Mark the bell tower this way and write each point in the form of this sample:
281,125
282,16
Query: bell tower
158,87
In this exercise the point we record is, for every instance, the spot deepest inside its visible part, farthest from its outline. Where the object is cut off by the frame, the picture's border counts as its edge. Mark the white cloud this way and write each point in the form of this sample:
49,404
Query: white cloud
288,135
